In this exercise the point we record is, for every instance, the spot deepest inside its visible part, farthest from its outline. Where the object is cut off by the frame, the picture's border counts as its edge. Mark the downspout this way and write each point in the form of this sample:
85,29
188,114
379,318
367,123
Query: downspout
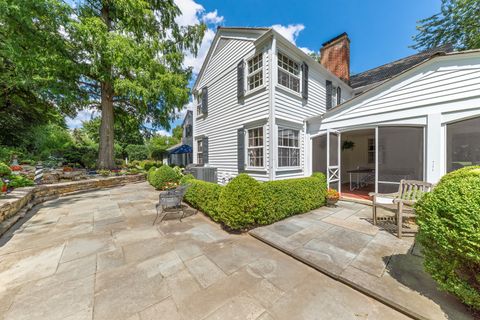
271,117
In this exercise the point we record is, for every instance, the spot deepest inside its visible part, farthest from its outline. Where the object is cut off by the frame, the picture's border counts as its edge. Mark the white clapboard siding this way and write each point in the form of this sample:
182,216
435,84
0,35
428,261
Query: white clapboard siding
225,113
433,84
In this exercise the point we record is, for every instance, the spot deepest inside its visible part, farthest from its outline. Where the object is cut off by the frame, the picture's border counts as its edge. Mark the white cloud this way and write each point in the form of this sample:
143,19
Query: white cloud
290,31
306,50
163,132
193,13
82,115
213,17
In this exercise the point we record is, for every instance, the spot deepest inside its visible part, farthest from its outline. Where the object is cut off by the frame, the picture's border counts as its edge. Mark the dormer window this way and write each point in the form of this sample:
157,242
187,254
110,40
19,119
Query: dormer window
255,72
288,73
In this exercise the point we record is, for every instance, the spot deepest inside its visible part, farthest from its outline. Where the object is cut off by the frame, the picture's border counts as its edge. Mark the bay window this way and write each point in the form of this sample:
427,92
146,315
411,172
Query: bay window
255,147
255,72
288,73
288,148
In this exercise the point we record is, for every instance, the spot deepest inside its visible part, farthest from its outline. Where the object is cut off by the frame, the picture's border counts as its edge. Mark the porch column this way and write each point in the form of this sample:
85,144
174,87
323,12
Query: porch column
434,147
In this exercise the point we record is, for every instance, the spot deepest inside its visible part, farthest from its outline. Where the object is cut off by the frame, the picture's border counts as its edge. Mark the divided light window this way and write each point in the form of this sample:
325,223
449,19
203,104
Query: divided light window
255,147
288,148
200,151
199,105
255,72
288,73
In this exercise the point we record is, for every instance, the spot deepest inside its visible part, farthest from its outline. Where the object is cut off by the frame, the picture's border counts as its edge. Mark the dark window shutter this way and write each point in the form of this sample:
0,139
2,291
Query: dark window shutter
240,79
305,81
339,95
241,149
328,87
205,150
205,101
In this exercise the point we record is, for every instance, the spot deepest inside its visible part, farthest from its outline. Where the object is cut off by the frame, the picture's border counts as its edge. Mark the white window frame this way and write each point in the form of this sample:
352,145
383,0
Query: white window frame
200,140
299,148
247,147
199,105
290,74
261,70
334,95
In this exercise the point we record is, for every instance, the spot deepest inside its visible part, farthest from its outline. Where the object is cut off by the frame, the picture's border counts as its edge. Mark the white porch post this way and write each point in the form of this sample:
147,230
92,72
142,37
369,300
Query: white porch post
434,148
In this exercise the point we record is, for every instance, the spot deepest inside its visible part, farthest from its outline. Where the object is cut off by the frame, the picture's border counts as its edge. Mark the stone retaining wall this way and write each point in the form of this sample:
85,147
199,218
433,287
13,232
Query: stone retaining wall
14,205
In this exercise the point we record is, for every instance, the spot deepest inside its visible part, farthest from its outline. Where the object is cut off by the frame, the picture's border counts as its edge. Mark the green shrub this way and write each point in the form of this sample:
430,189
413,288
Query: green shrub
18,181
449,221
240,203
104,173
147,164
186,178
163,178
4,170
203,196
284,198
136,152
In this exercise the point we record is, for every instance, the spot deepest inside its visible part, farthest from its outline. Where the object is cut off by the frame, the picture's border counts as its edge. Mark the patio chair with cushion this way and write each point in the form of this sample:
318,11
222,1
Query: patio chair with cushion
171,199
409,192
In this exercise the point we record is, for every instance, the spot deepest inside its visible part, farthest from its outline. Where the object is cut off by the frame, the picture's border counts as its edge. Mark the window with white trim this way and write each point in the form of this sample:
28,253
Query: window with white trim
288,147
199,151
199,105
288,72
255,147
255,72
334,96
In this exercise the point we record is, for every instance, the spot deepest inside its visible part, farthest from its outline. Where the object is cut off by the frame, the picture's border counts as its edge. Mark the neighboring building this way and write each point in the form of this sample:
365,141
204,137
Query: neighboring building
266,108
181,153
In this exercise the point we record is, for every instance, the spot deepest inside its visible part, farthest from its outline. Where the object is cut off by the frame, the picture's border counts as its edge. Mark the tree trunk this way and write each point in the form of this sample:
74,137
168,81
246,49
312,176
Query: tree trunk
106,159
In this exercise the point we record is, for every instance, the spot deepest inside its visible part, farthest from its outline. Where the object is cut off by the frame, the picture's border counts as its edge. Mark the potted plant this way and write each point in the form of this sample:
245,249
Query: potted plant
332,196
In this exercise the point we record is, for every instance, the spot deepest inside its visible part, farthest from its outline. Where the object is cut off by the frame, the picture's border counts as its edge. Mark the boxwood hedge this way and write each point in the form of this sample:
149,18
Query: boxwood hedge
449,221
244,203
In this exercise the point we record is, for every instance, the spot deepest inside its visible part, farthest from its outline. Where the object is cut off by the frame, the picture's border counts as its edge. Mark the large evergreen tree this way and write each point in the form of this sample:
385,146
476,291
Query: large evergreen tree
458,23
114,55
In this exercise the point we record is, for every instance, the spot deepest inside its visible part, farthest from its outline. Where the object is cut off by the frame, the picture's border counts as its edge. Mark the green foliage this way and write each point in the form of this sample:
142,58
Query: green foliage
177,133
163,177
241,202
449,221
104,173
244,202
7,153
284,198
4,170
158,145
186,179
50,140
147,164
204,196
458,24
18,181
137,152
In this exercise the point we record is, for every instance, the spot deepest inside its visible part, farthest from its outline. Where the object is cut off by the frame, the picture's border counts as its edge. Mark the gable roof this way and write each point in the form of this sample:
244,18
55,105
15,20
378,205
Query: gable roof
394,68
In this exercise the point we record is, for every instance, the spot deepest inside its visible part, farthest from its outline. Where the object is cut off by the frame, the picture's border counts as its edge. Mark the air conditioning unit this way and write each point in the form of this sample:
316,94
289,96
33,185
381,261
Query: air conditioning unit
208,174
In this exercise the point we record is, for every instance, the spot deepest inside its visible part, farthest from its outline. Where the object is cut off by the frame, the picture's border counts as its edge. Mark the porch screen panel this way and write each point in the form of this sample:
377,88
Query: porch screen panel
319,154
463,144
400,156
334,141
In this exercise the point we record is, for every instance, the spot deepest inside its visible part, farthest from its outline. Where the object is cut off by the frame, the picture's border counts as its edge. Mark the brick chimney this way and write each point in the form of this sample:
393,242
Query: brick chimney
335,56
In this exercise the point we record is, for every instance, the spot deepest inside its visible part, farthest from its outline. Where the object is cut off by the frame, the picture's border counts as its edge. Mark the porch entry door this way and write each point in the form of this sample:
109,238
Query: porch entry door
400,156
333,159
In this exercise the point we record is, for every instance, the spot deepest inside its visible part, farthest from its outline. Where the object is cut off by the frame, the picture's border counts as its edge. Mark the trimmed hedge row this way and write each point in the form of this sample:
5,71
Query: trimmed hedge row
244,202
449,221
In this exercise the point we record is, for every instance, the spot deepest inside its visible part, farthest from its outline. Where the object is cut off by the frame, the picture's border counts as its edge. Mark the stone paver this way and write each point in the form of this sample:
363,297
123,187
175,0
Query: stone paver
96,255
342,243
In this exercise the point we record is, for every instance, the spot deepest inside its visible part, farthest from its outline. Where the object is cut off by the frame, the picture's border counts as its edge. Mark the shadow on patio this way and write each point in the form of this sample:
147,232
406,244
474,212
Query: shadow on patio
343,243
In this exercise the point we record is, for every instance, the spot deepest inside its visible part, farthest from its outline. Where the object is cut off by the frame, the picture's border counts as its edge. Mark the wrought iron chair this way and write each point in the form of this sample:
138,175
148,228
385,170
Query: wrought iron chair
409,192
171,199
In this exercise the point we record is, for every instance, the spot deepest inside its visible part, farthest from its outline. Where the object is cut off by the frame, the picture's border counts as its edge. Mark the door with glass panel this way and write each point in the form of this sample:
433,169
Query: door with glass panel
400,156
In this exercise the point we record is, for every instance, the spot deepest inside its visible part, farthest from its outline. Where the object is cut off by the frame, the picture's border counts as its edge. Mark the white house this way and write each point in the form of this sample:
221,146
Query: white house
262,109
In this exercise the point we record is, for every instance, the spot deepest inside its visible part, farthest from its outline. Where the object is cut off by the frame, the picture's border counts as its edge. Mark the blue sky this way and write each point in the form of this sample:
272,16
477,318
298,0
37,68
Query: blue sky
380,31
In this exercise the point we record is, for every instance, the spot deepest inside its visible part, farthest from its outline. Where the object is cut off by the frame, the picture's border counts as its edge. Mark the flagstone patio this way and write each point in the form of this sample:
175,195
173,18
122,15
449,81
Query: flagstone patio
343,243
96,255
